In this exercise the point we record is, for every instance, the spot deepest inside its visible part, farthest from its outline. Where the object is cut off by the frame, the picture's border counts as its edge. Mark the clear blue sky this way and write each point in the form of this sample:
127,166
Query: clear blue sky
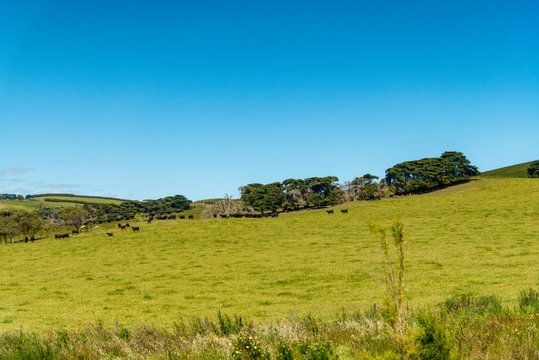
144,99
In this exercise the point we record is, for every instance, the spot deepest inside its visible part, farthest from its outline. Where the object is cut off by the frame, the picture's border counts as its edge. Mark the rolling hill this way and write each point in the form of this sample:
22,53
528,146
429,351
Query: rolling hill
55,200
479,237
518,171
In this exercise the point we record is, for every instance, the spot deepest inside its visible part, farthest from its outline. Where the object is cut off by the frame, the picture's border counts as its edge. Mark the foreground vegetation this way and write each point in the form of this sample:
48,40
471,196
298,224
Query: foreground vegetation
461,327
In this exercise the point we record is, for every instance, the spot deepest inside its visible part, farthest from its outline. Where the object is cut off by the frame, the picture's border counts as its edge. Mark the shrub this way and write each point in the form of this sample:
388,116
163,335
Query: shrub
317,351
248,348
431,341
284,352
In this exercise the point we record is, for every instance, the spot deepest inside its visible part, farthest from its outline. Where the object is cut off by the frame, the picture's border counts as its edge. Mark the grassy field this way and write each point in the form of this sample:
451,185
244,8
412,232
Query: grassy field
518,171
32,204
479,237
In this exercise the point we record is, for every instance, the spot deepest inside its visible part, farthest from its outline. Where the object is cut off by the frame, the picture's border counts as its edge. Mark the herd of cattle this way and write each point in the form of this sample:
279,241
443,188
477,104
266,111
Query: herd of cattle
181,217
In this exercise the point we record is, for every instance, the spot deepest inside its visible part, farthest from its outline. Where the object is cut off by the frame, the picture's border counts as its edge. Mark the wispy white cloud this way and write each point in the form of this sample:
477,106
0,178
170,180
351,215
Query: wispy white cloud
14,170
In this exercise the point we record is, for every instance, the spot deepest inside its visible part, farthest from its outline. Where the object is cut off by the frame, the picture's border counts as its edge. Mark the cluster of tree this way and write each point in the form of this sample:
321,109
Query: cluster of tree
292,194
429,174
128,209
28,223
227,207
364,188
11,197
533,169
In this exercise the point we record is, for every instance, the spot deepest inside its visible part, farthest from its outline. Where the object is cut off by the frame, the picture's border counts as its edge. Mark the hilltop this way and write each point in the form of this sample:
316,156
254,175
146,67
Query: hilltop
33,202
518,171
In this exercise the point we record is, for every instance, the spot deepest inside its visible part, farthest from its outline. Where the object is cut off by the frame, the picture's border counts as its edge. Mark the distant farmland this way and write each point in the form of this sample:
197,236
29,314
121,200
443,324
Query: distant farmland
478,237
54,201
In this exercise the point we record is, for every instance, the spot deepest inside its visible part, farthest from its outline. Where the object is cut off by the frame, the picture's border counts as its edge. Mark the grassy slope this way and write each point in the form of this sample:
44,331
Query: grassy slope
31,204
479,237
518,170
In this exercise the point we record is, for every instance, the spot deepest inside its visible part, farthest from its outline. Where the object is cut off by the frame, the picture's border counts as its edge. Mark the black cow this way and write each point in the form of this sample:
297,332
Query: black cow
172,217
120,225
135,228
344,211
182,217
191,217
110,234
149,221
127,224
26,239
329,211
274,215
60,236
74,231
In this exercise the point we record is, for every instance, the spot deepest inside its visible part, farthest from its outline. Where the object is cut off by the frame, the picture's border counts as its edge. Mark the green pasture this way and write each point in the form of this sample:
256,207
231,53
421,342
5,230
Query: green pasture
35,203
480,237
519,170
81,200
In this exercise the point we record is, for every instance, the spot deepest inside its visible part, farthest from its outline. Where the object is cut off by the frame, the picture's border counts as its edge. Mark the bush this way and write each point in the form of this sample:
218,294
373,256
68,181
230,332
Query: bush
248,348
317,351
284,352
431,341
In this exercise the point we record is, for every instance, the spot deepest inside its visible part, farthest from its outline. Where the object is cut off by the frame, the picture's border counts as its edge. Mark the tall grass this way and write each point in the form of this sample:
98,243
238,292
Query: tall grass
460,327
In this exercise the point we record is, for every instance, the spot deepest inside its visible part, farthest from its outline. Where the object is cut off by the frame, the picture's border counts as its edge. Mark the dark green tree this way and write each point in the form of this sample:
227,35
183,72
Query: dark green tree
8,228
428,174
74,215
28,222
533,169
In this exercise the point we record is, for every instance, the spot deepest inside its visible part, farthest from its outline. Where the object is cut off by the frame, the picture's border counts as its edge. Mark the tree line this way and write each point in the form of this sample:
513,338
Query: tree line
428,174
409,177
30,223
128,209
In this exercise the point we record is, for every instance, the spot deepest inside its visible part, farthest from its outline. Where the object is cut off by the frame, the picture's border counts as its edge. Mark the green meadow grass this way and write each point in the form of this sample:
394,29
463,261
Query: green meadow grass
32,204
480,237
519,170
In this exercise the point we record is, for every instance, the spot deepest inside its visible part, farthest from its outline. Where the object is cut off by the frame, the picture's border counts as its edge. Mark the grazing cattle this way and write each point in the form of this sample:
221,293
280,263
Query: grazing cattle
344,211
214,215
182,217
191,217
122,227
135,228
329,211
127,224
60,236
149,221
119,225
274,215
110,234
172,217
74,231
26,239
32,238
